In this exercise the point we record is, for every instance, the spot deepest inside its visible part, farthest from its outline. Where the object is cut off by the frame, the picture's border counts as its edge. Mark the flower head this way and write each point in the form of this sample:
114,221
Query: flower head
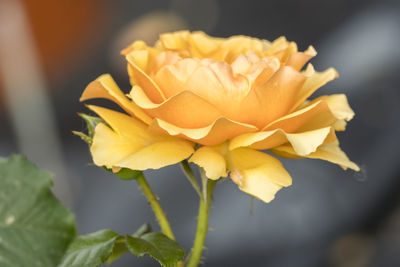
233,97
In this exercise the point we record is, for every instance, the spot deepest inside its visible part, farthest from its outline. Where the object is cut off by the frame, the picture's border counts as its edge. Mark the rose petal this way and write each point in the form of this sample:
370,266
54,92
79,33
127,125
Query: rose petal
172,78
137,63
303,143
330,152
218,132
279,44
175,41
128,144
211,160
298,59
258,173
314,82
339,106
272,100
331,110
204,43
158,155
217,84
315,116
185,109
105,87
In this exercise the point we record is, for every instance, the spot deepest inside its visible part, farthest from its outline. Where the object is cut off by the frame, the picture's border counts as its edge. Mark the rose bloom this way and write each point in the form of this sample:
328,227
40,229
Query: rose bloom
220,101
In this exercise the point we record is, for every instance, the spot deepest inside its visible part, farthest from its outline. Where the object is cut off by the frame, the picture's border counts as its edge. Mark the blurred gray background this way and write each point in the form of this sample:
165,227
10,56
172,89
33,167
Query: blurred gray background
50,50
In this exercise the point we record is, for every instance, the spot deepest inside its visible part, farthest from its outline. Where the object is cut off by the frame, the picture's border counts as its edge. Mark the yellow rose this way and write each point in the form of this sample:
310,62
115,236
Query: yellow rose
232,97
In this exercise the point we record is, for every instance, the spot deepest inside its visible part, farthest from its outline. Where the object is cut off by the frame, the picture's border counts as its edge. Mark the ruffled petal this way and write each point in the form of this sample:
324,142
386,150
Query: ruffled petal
298,59
105,87
172,78
218,132
137,63
330,152
257,173
303,143
211,160
185,109
215,82
272,100
313,83
278,45
340,108
175,40
331,110
127,143
314,116
204,43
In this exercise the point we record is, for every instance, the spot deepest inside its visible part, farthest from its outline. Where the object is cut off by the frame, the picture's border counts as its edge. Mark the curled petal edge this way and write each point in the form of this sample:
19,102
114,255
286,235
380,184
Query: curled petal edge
303,143
330,152
214,134
194,111
105,87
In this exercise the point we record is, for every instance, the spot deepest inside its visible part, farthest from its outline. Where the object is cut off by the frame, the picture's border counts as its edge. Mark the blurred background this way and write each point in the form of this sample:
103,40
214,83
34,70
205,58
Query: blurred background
50,50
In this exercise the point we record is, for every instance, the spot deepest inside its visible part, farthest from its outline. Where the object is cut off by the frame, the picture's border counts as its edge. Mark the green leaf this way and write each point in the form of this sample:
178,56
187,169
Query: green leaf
84,137
90,250
35,228
124,173
166,251
144,229
119,249
91,123
120,245
127,174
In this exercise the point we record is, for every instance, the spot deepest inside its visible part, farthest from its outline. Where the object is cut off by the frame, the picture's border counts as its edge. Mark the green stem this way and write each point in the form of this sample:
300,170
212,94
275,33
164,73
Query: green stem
202,222
155,205
190,176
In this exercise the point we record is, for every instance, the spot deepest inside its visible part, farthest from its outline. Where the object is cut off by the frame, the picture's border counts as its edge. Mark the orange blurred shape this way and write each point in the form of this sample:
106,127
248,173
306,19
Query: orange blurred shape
63,29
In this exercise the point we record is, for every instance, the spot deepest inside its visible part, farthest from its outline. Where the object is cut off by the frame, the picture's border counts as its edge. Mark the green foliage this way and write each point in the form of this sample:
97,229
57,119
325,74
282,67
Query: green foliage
90,250
120,245
127,174
35,228
91,123
107,246
166,251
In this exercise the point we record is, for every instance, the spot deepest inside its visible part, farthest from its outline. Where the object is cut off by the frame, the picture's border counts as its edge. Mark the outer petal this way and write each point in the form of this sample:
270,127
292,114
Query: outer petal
211,160
313,82
258,173
330,152
158,155
332,110
298,59
128,144
317,114
218,132
109,147
105,87
184,109
303,143
340,108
